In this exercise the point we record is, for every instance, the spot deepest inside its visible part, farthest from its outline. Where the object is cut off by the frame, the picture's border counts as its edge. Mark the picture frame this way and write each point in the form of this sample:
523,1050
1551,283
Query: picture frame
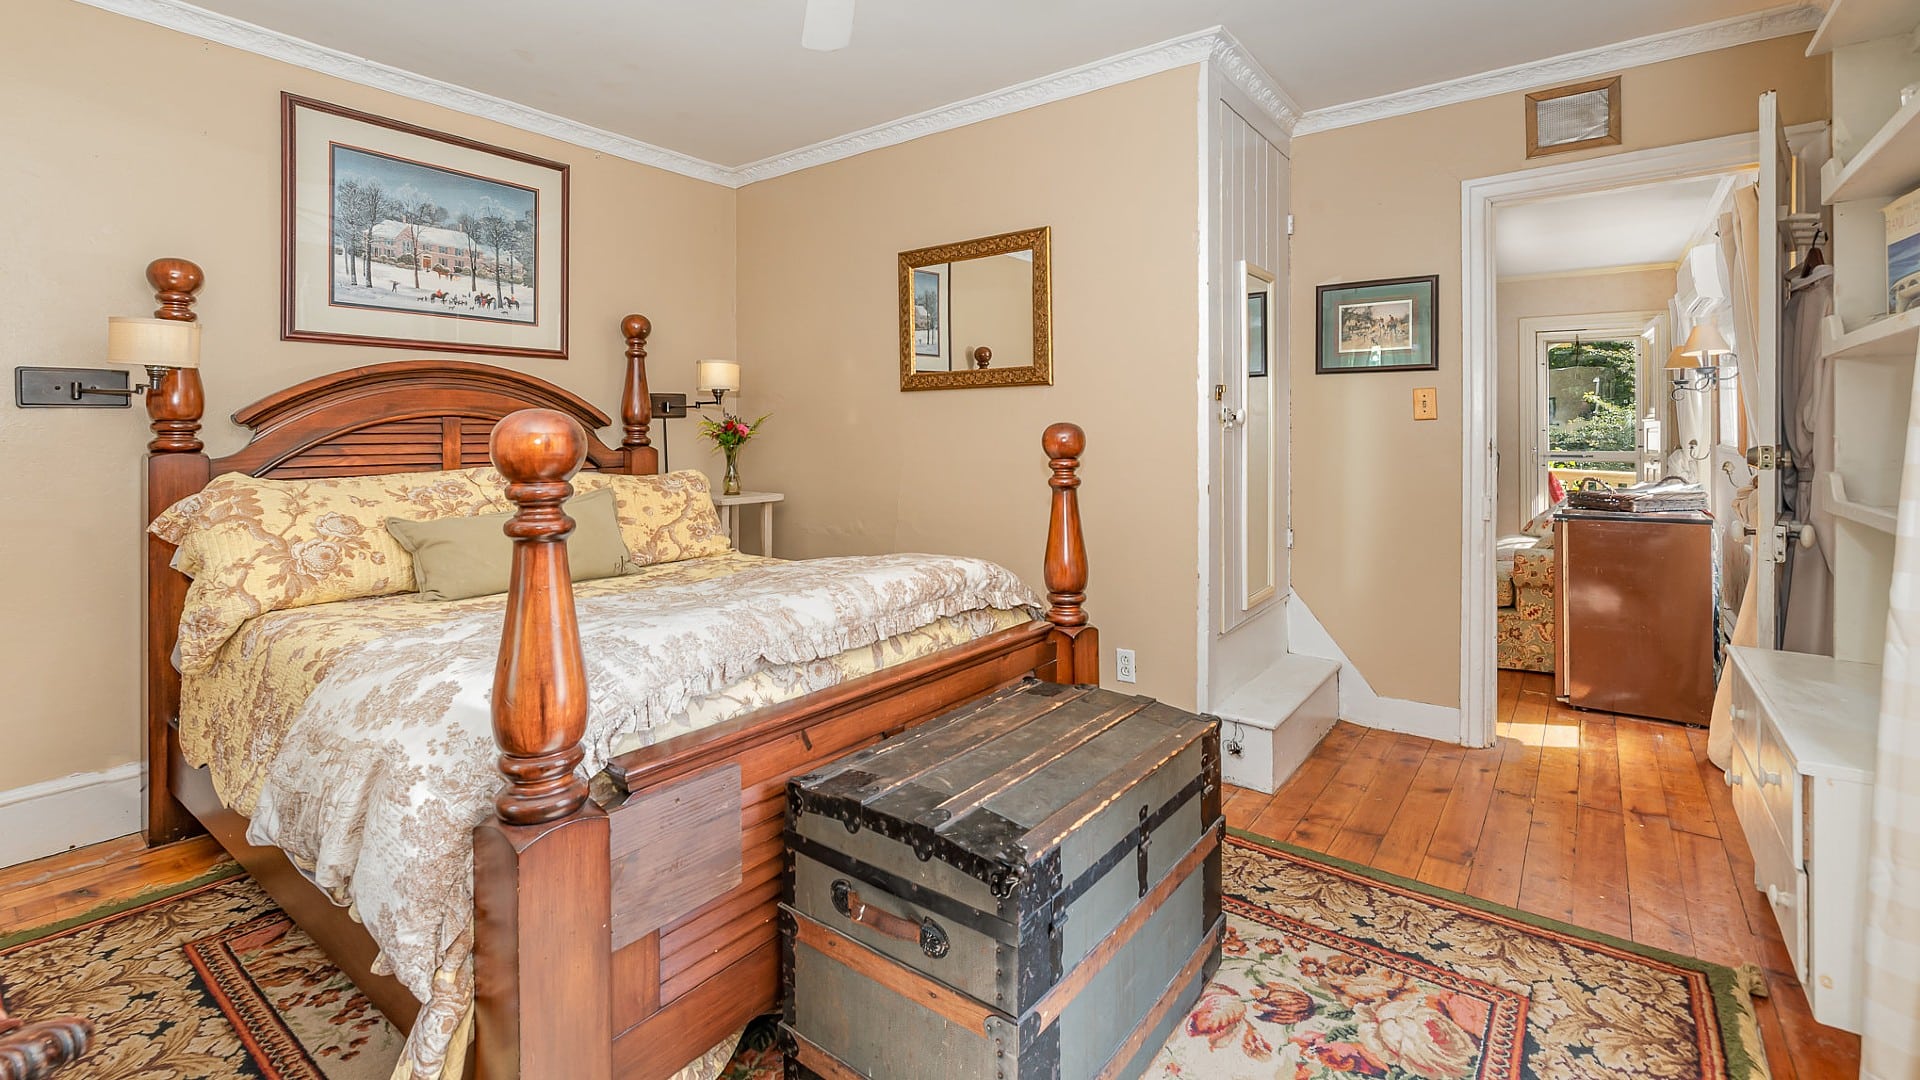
1578,116
1390,324
933,317
397,235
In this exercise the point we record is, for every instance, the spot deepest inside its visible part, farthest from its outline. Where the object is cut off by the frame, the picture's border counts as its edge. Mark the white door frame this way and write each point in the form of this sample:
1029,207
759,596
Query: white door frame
1479,198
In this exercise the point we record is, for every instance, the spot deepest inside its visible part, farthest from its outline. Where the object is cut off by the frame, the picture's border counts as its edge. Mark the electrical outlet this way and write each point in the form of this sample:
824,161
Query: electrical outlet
1123,664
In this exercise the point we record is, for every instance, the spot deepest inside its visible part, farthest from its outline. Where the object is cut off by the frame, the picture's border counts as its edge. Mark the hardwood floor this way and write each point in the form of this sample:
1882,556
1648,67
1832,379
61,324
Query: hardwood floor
73,883
1607,822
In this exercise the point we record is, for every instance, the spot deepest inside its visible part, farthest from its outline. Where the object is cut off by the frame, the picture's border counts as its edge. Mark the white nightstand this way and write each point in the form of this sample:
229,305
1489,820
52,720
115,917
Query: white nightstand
730,505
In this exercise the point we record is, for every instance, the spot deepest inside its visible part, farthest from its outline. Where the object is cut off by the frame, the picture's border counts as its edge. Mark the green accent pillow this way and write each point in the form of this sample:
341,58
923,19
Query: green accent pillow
458,557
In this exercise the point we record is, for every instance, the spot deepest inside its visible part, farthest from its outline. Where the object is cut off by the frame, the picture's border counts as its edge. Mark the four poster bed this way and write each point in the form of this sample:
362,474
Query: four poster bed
618,930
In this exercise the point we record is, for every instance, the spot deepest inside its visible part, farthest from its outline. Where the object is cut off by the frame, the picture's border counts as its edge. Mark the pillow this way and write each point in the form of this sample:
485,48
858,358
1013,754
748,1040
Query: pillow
253,545
663,519
458,557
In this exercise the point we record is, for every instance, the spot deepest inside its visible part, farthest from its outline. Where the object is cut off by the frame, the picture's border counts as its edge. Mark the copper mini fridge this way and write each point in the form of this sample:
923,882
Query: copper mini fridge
1635,618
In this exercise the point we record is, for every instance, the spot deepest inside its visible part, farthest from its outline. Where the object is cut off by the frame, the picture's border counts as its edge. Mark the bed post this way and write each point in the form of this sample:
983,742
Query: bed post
542,899
177,466
636,405
1076,646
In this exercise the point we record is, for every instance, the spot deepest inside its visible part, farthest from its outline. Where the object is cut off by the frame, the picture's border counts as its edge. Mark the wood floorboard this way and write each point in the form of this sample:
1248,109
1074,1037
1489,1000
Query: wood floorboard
1611,823
1404,845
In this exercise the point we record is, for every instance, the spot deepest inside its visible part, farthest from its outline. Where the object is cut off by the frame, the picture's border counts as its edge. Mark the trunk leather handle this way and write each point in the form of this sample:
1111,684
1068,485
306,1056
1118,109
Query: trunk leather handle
926,933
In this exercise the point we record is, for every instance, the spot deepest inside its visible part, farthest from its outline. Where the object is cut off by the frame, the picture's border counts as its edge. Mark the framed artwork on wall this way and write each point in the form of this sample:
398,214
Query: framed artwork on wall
1574,117
396,235
1385,325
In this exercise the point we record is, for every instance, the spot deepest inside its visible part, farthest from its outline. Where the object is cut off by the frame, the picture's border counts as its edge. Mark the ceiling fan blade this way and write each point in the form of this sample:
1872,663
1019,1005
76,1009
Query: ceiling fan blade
828,26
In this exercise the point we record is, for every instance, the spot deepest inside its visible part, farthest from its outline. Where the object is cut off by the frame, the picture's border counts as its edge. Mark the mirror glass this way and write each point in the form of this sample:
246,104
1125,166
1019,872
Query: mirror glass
1259,457
977,313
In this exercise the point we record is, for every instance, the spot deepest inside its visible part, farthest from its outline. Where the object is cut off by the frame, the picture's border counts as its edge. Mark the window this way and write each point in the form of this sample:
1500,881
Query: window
1593,409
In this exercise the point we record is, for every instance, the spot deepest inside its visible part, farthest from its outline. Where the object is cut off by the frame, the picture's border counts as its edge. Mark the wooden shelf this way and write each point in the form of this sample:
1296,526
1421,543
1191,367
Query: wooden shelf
1883,518
1850,22
1887,166
1894,337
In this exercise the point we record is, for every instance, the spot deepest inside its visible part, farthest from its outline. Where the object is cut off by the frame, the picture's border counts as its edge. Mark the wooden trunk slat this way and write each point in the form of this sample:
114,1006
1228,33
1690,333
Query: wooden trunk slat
1168,1000
910,985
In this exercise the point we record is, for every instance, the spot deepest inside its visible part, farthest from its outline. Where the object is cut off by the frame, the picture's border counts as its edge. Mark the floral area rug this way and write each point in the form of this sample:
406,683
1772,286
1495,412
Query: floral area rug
1329,972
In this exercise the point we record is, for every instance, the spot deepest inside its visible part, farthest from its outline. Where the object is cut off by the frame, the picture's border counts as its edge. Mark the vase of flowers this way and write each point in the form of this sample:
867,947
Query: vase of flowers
729,434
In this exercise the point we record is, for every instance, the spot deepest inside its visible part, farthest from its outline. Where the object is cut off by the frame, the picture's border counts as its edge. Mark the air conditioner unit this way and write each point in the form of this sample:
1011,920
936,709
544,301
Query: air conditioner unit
1700,285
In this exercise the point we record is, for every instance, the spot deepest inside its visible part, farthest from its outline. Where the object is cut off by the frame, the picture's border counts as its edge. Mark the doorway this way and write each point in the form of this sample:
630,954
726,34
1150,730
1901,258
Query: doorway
1487,471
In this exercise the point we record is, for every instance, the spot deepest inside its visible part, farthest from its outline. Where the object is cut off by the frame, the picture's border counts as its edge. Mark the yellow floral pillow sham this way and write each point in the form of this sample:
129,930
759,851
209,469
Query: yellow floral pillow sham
663,518
253,545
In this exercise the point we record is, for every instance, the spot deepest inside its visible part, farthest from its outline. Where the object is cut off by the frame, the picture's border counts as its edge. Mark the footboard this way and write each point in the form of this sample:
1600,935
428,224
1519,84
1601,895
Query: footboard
625,935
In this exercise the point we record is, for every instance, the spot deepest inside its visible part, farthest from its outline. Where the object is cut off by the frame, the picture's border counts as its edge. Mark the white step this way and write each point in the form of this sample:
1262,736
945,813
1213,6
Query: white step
1276,720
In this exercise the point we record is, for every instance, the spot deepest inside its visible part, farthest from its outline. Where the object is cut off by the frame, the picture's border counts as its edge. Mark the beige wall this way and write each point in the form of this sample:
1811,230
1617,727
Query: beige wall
1640,289
867,468
124,142
1376,496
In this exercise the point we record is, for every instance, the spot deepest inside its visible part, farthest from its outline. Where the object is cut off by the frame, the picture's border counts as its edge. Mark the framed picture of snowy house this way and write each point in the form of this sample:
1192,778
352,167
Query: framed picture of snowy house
397,235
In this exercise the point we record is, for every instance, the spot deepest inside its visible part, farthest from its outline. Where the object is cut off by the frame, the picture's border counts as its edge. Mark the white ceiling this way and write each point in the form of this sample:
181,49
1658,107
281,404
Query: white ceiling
726,81
1634,227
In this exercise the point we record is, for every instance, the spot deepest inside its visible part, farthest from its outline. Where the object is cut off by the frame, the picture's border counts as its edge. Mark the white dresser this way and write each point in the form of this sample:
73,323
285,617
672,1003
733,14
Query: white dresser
1804,732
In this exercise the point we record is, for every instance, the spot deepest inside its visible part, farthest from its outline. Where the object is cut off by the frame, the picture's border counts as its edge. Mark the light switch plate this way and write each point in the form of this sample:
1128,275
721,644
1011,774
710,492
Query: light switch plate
1426,403
62,388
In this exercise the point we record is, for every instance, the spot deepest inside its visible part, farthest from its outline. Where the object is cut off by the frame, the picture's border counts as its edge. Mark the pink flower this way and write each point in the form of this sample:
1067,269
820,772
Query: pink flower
1468,1011
1216,1016
1420,1039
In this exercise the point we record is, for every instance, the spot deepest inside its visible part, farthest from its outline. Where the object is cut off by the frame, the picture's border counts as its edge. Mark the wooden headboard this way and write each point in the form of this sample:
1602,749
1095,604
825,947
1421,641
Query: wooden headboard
405,416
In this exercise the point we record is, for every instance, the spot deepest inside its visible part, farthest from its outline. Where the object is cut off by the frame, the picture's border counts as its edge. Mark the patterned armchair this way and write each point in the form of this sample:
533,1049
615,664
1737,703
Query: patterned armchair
1525,619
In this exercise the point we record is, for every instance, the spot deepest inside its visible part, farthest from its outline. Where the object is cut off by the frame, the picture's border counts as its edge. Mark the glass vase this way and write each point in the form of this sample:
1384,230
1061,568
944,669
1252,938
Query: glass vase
731,484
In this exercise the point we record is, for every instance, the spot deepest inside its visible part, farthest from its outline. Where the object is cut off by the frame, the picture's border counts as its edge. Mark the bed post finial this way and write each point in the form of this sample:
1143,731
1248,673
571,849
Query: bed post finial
636,405
540,685
176,400
1077,647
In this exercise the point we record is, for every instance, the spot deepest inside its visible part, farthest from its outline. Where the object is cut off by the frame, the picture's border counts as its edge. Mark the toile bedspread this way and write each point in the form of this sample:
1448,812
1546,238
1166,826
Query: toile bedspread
360,741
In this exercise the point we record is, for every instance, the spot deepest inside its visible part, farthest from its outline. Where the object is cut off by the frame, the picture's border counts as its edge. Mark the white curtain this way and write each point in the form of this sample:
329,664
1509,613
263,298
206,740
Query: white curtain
1891,1047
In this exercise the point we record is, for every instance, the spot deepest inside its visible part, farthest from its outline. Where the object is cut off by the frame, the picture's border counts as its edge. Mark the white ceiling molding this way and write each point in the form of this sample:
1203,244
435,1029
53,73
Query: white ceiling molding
249,37
1213,45
1244,72
1653,49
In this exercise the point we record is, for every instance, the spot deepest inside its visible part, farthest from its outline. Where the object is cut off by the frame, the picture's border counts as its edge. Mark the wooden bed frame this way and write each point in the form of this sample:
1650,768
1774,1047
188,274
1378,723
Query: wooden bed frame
615,937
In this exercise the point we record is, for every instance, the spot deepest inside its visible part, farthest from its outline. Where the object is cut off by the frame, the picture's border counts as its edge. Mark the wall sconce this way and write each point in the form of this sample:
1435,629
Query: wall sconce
159,345
1697,364
719,378
716,377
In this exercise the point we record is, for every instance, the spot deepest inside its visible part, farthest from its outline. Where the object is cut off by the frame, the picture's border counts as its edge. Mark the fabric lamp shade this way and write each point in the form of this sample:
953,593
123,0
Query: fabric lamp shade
1680,360
719,375
154,343
1705,343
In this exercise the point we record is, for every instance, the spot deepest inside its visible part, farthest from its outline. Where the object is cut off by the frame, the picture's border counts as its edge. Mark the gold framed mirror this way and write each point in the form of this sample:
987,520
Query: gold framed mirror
978,313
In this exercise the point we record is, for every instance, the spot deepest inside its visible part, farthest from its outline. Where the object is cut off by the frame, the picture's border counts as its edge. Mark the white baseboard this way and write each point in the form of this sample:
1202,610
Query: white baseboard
1358,702
57,815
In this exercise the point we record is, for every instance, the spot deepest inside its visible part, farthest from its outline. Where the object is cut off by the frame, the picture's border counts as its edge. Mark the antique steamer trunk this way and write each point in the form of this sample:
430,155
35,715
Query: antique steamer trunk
1026,887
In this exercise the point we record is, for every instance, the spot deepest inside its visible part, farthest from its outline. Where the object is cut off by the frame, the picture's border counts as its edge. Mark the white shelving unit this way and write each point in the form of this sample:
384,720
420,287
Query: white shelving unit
1876,158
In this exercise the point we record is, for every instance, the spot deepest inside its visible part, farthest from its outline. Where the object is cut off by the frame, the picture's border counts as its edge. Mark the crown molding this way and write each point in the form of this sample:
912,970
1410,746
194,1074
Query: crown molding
1707,37
1240,68
1167,55
248,37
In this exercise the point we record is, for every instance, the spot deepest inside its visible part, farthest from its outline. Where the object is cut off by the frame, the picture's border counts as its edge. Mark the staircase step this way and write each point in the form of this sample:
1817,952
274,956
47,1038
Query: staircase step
1276,719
